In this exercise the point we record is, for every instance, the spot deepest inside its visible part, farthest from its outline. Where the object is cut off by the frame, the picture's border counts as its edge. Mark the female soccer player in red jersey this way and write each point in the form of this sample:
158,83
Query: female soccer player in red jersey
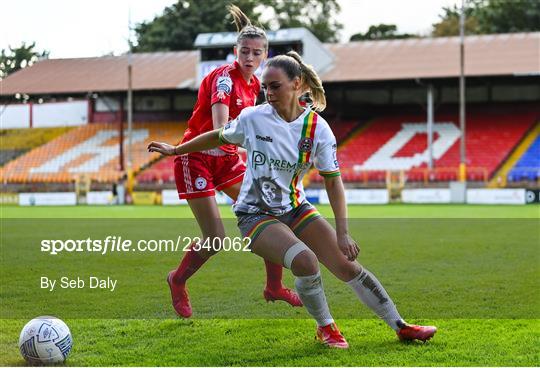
222,95
272,208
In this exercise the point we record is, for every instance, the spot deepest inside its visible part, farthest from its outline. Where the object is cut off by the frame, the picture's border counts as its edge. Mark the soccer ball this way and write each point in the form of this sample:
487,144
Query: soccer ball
45,340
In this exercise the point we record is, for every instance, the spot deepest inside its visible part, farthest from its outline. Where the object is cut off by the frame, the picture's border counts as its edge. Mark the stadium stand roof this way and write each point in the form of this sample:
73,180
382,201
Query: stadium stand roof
151,71
486,55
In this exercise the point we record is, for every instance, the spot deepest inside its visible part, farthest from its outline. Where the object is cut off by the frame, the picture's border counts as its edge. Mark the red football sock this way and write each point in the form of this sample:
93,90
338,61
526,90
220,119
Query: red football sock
189,265
274,275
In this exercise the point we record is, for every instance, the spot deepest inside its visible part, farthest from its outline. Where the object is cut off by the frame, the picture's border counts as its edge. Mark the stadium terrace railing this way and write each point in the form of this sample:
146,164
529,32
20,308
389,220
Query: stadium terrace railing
425,175
524,174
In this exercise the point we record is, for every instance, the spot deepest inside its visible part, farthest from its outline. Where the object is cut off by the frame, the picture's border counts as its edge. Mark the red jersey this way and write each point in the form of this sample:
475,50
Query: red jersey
224,85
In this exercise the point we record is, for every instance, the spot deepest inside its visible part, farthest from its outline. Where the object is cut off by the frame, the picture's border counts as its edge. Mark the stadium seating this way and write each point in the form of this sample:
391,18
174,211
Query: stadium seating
343,129
91,150
16,142
398,142
528,167
161,172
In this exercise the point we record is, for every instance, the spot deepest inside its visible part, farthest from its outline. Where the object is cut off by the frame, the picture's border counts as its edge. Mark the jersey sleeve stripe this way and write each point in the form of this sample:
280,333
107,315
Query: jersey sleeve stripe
222,138
329,174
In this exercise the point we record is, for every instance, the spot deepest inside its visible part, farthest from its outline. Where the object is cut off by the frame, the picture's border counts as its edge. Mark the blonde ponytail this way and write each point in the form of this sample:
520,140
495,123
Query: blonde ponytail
239,18
244,27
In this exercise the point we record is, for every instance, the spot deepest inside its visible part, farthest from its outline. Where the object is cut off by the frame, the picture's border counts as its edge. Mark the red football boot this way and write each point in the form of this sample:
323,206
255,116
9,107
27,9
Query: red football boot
330,336
180,297
285,294
413,332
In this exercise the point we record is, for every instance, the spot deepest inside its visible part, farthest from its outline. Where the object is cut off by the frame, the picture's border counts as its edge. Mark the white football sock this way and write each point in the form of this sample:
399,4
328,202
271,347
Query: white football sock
372,293
312,295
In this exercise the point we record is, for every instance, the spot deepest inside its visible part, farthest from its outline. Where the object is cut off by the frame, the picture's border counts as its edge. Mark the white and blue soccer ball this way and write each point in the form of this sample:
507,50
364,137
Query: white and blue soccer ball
45,340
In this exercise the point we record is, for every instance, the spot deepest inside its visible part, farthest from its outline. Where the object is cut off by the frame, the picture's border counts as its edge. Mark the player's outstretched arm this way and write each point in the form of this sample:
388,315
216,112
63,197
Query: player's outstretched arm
336,196
202,142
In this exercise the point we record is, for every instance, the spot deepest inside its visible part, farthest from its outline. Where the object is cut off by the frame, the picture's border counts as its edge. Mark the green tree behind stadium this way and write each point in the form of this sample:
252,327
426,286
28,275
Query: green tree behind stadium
380,32
19,57
491,16
179,24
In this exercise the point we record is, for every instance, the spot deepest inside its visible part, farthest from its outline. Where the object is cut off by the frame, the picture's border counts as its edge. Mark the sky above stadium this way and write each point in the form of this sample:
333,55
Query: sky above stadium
76,28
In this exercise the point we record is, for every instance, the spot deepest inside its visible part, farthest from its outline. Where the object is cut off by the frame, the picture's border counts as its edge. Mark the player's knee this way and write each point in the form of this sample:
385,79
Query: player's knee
301,260
305,264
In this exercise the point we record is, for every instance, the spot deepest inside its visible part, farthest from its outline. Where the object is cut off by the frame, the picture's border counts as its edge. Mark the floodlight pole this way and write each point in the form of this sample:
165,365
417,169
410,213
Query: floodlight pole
121,133
130,113
430,125
463,161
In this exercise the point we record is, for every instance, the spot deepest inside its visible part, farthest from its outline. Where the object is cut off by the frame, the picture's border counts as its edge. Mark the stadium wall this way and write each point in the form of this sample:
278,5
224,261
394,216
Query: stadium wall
44,115
354,197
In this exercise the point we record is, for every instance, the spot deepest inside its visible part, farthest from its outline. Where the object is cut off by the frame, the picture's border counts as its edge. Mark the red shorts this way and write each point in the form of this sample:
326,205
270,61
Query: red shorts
200,175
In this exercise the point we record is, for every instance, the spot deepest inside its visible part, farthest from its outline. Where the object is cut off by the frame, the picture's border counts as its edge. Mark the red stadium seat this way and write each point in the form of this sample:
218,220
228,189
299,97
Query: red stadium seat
492,134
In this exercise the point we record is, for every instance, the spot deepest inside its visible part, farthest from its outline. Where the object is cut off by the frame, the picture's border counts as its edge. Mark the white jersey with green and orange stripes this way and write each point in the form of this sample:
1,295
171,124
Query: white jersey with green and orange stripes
280,153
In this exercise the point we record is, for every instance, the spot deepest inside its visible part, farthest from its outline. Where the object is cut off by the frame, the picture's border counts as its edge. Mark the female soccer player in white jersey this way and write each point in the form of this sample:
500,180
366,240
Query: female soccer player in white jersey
284,140
223,93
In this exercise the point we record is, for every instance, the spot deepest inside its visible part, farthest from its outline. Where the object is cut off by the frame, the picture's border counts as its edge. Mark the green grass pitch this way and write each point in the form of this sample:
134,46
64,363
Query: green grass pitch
472,271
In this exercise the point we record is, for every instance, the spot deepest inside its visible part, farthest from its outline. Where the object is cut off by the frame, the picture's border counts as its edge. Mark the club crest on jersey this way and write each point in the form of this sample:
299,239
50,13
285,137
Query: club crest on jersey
200,183
305,144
